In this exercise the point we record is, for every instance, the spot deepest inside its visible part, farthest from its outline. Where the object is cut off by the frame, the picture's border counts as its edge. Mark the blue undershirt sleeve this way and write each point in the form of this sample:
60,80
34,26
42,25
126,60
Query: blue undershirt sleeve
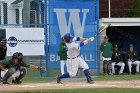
81,44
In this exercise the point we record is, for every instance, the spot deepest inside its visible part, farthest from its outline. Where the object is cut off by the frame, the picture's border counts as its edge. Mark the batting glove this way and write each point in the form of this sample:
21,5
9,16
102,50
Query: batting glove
91,38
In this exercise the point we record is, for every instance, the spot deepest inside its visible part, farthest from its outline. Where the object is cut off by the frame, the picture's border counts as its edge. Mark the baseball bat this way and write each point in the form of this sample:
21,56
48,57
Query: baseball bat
103,28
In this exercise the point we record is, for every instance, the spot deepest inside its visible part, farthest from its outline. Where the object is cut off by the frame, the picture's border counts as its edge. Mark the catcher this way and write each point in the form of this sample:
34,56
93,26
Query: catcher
15,68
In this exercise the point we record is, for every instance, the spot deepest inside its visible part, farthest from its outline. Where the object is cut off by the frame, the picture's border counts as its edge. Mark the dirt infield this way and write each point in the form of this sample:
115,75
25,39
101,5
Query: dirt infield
71,85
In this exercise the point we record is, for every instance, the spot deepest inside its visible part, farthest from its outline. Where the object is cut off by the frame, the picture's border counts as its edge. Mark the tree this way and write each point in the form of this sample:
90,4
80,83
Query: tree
118,7
135,12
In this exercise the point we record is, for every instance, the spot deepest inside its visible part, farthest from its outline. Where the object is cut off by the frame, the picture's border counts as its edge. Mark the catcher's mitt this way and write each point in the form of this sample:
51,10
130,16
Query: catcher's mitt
43,70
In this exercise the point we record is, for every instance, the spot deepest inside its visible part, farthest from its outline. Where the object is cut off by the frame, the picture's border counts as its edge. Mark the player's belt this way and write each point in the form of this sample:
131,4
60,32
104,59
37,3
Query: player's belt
72,58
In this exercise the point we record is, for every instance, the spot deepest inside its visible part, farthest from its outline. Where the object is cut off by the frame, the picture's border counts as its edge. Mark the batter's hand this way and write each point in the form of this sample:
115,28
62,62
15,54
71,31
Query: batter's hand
91,38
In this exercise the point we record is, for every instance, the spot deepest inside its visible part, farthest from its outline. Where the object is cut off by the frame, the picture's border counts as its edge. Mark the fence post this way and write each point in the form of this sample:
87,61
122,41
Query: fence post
40,65
46,36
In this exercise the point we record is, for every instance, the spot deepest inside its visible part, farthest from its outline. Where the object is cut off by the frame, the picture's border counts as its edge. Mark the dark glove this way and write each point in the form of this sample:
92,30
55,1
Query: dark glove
43,70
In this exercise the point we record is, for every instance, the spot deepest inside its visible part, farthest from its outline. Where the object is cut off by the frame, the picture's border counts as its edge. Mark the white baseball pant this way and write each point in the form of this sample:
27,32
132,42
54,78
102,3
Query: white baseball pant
137,63
121,64
74,64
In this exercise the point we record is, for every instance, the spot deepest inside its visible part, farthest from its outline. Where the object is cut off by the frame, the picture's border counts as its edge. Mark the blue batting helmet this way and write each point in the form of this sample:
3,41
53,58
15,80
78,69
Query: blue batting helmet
68,37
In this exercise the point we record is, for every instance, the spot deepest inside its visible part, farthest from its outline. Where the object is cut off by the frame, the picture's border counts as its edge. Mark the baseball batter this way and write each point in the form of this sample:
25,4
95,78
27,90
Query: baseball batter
73,57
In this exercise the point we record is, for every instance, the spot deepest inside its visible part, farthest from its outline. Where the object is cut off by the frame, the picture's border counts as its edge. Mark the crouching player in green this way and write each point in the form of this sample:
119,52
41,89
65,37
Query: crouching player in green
15,68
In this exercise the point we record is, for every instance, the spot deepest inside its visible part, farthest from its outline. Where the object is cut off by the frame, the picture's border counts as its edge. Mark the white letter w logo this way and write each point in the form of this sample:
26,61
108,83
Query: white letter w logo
74,19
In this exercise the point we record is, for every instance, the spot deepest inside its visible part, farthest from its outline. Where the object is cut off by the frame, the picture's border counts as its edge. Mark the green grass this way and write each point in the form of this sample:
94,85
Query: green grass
98,78
97,90
34,76
36,73
117,77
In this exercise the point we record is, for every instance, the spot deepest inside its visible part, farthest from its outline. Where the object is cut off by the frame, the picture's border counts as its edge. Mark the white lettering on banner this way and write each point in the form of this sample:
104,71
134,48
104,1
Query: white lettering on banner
54,57
86,57
74,20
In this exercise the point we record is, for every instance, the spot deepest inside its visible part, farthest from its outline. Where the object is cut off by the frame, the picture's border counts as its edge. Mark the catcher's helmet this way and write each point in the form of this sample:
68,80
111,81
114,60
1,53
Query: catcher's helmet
18,56
68,37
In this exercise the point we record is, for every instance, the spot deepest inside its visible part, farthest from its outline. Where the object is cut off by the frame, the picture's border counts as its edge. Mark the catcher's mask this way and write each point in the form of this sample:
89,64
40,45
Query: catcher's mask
18,56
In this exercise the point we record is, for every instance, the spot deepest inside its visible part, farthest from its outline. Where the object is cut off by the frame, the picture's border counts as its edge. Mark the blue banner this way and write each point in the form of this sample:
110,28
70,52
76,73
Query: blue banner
78,17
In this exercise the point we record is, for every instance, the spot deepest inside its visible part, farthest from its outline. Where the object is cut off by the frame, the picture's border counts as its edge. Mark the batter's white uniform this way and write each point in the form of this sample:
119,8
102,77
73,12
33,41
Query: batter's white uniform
74,61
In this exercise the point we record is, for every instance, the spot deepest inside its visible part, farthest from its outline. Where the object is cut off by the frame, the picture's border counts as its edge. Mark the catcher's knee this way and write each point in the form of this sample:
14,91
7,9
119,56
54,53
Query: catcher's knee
11,71
23,71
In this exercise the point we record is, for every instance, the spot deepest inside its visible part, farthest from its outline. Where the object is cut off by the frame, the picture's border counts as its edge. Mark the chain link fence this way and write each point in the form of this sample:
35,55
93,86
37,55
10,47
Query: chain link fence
23,14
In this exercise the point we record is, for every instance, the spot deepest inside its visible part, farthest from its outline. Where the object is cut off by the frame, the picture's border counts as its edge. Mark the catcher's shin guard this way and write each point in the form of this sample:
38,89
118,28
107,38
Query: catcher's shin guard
0,76
22,74
8,75
87,74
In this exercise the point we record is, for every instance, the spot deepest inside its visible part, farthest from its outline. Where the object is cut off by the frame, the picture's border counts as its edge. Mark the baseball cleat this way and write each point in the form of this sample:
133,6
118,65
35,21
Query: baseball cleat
90,82
137,72
59,80
5,82
16,82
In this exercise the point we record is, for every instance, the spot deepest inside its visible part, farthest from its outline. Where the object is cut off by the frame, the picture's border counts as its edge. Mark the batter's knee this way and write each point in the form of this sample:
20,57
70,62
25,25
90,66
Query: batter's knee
72,74
86,67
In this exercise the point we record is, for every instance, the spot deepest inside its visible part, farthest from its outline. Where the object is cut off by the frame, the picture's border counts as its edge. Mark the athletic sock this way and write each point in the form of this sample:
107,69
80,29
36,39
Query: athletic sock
87,74
66,75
